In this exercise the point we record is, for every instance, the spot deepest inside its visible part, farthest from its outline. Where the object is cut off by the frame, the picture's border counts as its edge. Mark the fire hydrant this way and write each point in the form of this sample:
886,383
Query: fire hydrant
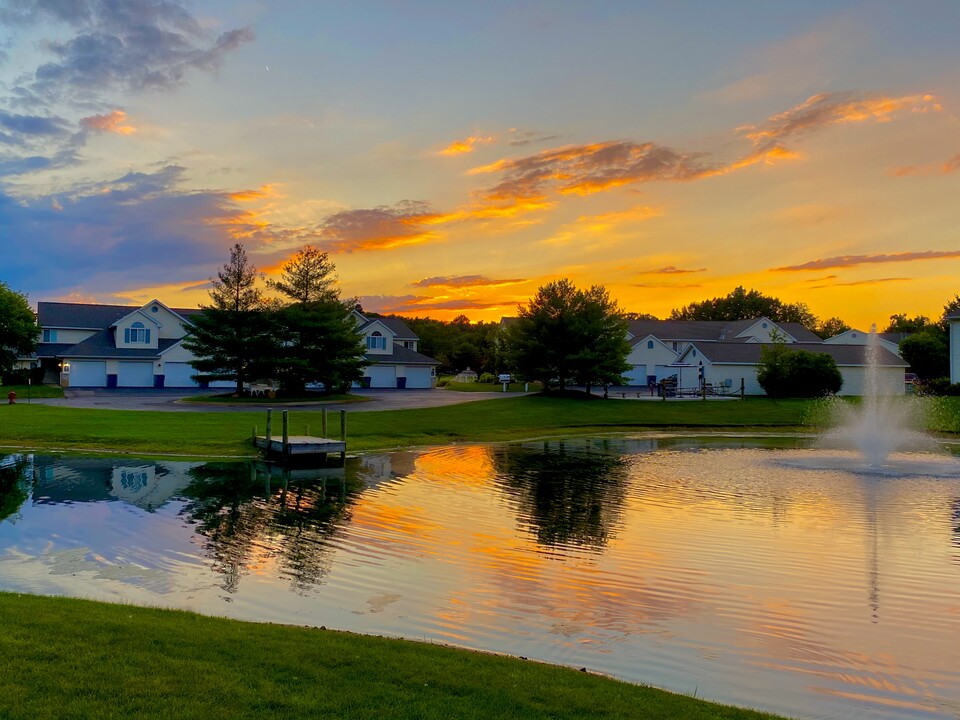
12,397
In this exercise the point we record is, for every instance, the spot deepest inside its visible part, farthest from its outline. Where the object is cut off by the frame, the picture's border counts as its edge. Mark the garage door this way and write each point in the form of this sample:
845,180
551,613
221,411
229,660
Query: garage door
135,374
88,373
418,377
178,375
382,376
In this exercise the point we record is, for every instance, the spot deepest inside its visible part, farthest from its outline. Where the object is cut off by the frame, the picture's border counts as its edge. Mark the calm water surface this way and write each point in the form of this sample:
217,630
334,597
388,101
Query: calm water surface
728,567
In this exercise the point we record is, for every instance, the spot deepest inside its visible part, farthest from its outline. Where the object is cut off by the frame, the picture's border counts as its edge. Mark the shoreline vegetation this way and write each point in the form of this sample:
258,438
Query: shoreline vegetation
62,657
227,435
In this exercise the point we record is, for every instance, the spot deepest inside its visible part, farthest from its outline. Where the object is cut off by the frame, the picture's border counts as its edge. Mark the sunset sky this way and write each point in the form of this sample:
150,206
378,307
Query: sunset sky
453,157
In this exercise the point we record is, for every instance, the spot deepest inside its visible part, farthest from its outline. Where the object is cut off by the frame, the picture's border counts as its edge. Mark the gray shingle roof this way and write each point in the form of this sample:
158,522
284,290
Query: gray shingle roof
51,350
84,315
101,345
711,330
749,353
402,355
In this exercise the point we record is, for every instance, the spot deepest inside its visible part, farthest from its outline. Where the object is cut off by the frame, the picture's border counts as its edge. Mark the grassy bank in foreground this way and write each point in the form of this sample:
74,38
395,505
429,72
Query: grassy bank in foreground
62,658
226,434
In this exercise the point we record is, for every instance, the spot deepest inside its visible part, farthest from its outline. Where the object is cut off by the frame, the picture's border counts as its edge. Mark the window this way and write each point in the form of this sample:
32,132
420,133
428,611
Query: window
154,309
136,333
376,341
49,336
409,344
649,344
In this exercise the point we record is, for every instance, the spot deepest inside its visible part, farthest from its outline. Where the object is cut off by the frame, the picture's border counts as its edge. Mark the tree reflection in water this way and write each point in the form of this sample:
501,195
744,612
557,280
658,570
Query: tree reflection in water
254,514
571,493
14,484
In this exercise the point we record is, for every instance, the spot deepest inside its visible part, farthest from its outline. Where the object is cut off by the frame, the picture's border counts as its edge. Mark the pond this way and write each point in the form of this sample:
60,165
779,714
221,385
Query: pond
733,568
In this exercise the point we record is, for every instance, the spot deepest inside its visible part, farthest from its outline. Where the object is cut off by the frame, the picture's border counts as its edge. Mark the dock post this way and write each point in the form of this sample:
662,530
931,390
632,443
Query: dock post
254,438
285,448
269,430
323,414
343,435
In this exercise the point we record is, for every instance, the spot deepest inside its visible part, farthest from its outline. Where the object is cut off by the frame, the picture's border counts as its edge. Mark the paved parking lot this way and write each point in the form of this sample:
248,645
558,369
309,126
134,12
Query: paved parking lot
168,400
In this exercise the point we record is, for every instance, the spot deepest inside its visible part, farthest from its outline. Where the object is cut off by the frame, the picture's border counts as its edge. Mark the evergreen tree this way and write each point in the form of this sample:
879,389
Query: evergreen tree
231,337
18,328
569,335
316,333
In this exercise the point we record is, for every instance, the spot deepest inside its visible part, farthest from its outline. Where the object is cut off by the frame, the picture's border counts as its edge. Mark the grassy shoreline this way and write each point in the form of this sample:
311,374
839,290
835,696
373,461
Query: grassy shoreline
44,427
215,434
67,658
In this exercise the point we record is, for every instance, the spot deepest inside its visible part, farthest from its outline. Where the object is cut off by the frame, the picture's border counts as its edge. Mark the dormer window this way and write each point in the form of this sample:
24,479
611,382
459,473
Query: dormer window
136,333
376,341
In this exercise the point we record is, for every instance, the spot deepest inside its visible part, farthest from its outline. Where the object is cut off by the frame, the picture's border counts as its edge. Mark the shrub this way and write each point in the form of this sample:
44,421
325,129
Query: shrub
936,386
443,383
487,378
797,373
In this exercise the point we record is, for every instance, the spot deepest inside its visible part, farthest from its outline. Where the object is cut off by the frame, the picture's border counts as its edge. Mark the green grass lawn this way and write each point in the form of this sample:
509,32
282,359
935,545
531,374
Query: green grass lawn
33,391
62,658
228,434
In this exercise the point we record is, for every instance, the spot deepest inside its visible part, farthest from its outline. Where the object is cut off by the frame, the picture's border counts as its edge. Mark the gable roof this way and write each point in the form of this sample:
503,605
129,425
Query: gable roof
749,353
402,355
89,316
101,344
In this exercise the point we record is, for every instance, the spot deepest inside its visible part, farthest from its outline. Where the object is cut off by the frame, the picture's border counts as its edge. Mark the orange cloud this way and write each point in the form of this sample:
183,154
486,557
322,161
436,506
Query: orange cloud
113,122
949,167
671,270
835,108
459,147
846,261
265,192
464,281
379,228
875,281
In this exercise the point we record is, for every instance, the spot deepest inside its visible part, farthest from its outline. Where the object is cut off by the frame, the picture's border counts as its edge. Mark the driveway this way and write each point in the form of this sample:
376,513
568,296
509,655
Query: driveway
168,400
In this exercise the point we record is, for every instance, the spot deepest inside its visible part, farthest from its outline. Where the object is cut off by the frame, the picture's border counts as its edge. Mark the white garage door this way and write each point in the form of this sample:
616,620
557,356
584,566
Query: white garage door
382,376
178,375
88,373
135,374
418,377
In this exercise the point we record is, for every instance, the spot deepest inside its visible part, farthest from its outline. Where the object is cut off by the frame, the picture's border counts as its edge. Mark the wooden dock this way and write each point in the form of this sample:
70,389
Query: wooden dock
302,448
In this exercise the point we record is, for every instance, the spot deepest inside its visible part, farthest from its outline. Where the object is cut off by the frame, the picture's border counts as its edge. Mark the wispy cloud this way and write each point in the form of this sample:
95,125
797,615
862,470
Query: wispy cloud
465,281
671,270
673,286
949,167
459,147
603,228
414,304
847,261
855,283
112,122
519,137
826,109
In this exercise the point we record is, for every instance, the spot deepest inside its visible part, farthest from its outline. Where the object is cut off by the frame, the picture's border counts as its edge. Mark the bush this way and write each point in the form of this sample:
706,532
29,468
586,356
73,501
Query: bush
489,378
938,386
443,383
797,373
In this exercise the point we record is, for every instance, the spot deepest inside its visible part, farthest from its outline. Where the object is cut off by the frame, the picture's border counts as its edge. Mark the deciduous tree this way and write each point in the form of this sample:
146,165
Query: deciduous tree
18,328
743,304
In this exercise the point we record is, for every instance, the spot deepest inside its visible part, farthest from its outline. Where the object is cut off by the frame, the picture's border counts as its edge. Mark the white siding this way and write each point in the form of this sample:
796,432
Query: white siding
88,373
955,351
135,374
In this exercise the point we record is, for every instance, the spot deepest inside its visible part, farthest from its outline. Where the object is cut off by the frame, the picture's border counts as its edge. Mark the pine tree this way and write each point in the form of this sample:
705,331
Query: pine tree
231,337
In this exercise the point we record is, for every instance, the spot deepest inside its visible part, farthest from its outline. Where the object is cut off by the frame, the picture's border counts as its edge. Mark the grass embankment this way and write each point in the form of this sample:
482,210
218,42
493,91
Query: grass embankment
31,391
227,434
63,658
